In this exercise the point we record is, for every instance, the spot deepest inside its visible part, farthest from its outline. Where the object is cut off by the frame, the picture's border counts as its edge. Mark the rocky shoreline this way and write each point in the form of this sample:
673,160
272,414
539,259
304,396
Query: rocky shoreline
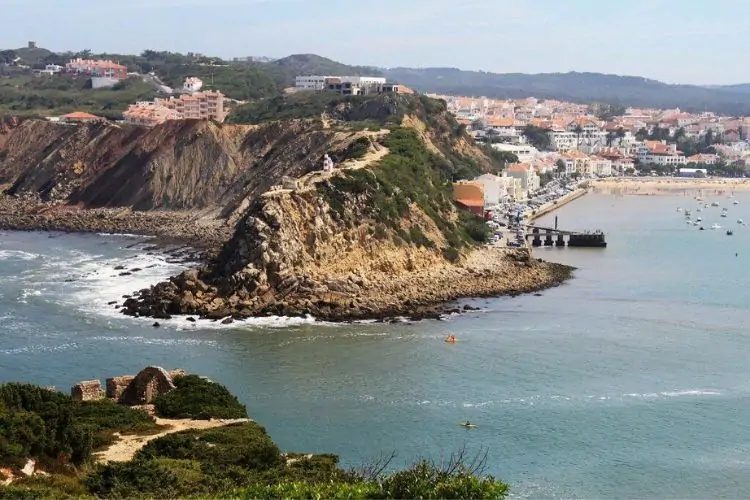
194,229
487,272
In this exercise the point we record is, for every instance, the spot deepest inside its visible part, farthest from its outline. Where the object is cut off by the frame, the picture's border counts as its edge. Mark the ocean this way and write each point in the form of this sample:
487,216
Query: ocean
631,380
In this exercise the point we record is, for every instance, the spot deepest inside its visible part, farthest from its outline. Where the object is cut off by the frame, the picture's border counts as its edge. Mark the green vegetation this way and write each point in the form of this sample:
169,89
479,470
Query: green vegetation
198,398
25,95
241,461
57,430
234,461
538,137
410,174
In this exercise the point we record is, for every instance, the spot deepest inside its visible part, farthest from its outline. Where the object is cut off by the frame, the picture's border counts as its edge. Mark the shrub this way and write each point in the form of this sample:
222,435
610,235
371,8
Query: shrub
246,445
425,480
301,490
195,397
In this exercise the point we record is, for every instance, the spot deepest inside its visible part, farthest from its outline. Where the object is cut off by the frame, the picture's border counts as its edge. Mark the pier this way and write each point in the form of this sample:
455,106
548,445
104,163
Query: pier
548,236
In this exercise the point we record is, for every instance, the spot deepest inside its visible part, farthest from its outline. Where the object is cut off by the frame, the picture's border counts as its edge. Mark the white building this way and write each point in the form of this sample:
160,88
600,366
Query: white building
563,141
660,153
601,166
320,82
495,189
526,174
311,82
192,84
524,152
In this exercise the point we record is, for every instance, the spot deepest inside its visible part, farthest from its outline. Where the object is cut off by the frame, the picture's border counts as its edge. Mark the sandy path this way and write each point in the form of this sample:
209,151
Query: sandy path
126,446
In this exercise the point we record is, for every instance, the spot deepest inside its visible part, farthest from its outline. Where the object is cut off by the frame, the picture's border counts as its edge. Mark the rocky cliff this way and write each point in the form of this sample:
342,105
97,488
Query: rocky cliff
116,177
378,237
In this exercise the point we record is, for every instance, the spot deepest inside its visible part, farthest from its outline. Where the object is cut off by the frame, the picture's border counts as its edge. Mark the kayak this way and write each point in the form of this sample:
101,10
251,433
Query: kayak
469,426
451,341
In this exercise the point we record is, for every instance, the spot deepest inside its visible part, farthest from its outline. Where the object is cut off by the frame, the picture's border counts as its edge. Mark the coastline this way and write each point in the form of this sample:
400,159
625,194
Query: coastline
192,228
421,294
667,185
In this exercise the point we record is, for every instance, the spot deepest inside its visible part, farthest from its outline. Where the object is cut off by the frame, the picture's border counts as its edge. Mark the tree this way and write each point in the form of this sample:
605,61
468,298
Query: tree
7,56
611,136
642,134
578,131
560,167
538,137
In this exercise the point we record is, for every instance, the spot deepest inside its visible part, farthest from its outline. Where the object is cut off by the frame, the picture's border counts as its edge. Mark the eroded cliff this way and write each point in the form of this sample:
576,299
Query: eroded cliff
372,239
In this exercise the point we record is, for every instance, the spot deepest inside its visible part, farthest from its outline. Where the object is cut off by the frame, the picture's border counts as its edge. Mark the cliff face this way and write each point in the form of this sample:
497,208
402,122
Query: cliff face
177,165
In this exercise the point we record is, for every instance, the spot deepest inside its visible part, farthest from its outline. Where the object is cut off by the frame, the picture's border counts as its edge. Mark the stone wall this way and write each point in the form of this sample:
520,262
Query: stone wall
116,386
131,390
88,390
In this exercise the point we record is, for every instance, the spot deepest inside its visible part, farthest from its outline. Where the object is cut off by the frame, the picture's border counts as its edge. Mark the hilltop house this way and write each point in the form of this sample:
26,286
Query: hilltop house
97,68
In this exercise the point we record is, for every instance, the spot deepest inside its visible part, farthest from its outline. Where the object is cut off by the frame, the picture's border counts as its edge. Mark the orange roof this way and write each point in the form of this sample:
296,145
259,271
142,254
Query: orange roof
80,115
501,122
518,167
471,202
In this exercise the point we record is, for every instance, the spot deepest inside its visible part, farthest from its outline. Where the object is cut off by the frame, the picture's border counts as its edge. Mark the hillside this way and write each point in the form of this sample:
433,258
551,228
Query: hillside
576,87
286,69
378,237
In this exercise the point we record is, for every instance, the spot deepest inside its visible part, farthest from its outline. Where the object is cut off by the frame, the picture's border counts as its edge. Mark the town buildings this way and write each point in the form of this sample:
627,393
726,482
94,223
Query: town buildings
526,174
149,114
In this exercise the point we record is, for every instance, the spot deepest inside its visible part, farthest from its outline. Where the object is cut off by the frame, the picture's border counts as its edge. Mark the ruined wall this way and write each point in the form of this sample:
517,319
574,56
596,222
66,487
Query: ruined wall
131,390
88,390
116,386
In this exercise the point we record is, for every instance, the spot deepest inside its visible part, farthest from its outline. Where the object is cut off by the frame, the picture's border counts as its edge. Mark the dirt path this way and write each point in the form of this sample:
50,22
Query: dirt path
127,446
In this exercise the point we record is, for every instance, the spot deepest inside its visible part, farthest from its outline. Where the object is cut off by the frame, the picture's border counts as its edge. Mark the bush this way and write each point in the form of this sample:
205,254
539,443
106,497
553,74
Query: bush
246,445
198,398
301,490
425,480
54,428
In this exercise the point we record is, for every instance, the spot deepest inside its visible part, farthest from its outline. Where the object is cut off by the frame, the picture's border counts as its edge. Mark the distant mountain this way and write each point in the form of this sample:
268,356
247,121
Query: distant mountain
577,87
286,69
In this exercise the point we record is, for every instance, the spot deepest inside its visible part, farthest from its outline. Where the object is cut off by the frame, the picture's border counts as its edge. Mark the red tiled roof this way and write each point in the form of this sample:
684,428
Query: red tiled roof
80,115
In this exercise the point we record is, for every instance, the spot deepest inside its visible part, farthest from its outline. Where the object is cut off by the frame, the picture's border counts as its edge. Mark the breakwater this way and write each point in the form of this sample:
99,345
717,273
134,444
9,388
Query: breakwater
554,205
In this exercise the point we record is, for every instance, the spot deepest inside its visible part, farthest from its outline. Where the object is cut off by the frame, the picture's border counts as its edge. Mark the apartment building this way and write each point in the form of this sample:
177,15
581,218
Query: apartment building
98,68
149,114
470,196
208,105
660,153
311,82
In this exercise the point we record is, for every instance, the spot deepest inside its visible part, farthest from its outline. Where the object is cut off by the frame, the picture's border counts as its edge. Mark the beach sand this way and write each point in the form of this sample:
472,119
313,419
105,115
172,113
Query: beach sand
668,185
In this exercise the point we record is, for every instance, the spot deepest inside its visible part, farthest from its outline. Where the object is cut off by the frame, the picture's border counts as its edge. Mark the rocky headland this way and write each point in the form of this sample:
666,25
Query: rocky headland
378,237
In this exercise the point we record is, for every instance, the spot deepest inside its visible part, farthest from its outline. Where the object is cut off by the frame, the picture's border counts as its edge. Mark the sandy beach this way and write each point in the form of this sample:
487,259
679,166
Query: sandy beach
667,185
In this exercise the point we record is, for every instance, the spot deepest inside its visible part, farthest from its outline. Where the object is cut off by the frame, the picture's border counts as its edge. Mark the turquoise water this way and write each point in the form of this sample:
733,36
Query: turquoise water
630,381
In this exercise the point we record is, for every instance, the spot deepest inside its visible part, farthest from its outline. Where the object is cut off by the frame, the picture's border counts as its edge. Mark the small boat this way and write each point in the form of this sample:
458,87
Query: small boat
715,226
730,232
699,219
706,205
702,228
736,202
740,221
468,425
715,204
723,214
451,339
688,221
679,209
699,198
699,209
687,213
696,223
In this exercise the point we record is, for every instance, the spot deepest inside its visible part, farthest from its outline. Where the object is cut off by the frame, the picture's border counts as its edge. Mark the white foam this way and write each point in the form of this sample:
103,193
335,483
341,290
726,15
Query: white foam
127,235
18,255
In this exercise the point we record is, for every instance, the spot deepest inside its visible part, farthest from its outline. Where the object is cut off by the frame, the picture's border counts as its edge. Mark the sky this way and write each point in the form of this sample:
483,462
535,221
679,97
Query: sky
675,41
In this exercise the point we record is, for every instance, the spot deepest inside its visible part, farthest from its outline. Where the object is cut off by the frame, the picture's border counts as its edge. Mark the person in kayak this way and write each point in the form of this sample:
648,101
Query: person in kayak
468,424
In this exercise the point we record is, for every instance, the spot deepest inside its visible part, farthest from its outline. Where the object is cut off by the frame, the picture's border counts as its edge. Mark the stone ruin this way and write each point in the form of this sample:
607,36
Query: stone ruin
130,390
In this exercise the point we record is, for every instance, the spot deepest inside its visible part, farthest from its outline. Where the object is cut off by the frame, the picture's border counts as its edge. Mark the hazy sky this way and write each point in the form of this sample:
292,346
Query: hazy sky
677,41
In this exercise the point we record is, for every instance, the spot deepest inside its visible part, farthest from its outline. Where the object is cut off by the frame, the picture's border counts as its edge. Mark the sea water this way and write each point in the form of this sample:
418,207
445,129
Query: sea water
631,380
